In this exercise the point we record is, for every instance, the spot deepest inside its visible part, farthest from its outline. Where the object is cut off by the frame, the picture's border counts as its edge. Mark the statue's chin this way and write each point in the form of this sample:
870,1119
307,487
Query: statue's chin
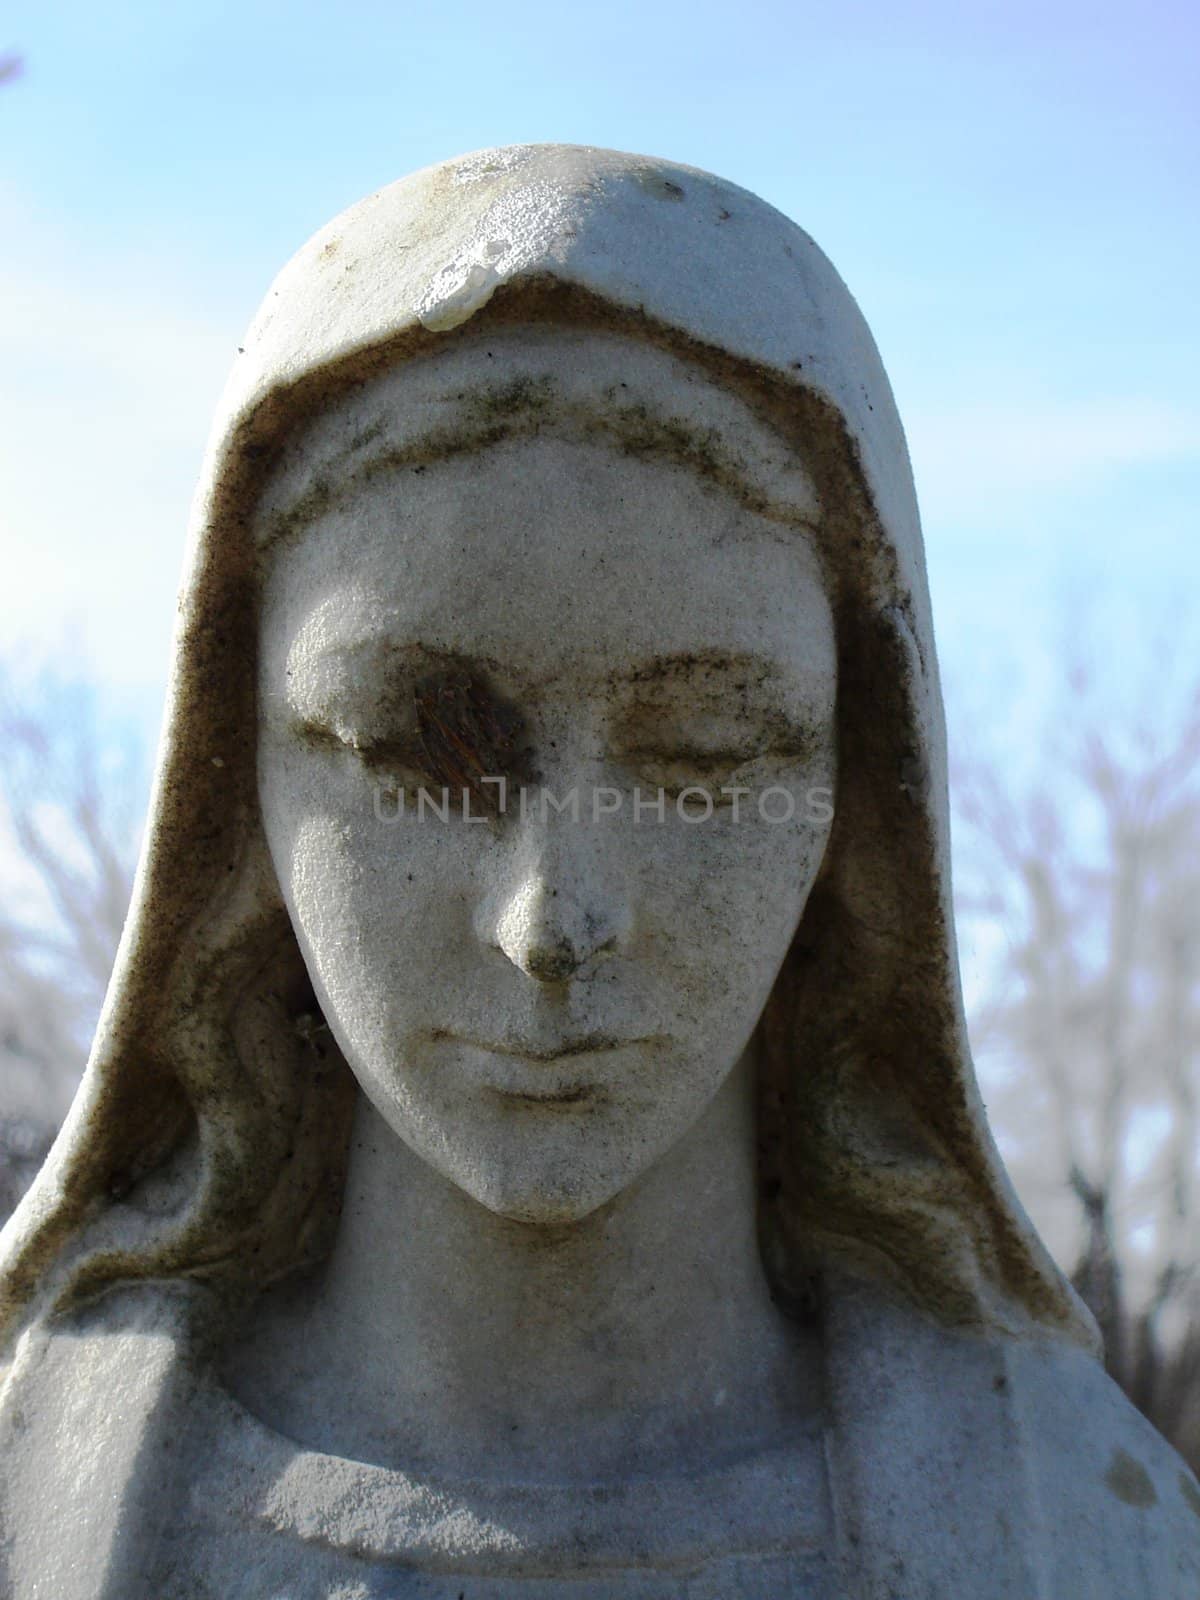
530,1193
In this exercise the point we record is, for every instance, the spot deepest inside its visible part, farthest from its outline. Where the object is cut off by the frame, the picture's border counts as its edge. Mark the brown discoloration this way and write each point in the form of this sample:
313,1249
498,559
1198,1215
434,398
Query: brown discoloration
412,713
641,433
1130,1481
661,188
468,733
697,717
498,412
522,397
367,436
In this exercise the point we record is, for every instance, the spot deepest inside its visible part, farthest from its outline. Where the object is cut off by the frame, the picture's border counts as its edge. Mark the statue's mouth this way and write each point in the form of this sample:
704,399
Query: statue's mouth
517,1071
549,1050
581,1045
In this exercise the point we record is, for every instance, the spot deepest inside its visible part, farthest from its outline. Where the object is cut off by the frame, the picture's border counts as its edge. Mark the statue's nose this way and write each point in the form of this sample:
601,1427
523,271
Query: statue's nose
550,930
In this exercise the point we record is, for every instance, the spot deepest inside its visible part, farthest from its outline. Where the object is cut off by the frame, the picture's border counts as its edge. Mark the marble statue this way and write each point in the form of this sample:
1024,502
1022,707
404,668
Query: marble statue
530,1146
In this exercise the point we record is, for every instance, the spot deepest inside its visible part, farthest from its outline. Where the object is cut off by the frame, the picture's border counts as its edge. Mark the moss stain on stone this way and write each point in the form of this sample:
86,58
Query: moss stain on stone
1130,1481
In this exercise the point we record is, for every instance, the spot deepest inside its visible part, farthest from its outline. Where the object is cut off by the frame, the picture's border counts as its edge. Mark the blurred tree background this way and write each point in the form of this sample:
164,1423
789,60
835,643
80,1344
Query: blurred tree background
73,790
1077,862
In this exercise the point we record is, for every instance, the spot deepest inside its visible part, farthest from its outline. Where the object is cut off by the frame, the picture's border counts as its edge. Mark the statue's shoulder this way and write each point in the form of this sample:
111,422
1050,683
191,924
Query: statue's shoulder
1000,1468
95,1421
1121,1507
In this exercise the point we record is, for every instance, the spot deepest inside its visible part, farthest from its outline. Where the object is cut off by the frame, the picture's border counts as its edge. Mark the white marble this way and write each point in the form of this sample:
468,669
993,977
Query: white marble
531,1146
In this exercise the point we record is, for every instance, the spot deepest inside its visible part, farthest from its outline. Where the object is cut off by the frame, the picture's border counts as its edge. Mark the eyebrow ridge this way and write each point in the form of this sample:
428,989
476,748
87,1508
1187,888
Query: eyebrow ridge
687,663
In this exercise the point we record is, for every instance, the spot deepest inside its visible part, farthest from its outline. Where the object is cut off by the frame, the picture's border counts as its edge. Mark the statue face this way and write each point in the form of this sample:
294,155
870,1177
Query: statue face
542,982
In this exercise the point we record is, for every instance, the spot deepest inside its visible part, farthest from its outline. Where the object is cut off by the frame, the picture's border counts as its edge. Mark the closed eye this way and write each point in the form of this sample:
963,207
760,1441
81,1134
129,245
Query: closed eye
387,754
678,767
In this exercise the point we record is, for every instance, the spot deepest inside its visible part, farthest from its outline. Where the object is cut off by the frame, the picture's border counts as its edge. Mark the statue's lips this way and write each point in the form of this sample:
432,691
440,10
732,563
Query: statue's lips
585,1045
517,1069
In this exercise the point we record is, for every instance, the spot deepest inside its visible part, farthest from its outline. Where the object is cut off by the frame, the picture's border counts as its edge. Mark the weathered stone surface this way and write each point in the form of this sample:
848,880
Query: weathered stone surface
531,1146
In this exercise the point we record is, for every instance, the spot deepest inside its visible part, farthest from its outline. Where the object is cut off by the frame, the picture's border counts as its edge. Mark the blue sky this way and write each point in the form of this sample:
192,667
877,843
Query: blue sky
1009,190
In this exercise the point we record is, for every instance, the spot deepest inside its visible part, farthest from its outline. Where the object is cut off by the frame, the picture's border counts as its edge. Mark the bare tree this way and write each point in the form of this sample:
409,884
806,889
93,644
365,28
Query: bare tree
73,796
1080,906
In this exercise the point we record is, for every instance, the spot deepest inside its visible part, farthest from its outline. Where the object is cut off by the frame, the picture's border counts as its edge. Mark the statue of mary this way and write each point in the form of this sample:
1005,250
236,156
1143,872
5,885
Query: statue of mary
530,1146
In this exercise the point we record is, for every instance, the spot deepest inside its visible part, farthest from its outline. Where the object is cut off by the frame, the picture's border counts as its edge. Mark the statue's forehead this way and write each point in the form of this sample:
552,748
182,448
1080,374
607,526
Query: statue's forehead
526,379
552,557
